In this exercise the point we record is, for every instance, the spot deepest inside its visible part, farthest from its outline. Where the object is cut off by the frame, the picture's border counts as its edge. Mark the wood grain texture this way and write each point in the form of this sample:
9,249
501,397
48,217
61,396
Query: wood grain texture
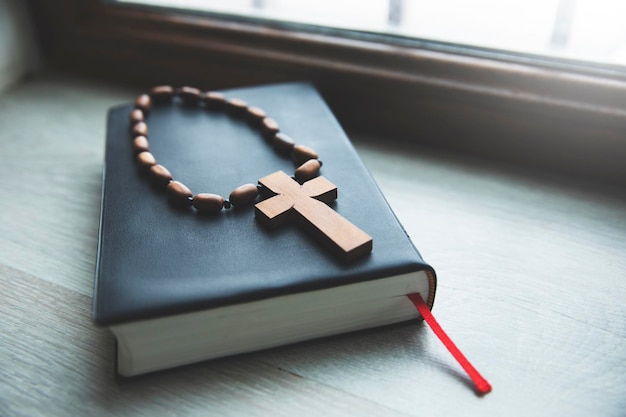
531,287
56,363
51,148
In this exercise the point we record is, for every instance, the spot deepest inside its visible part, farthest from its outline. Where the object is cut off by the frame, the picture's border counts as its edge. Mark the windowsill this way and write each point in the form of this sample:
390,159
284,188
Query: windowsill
549,119
529,268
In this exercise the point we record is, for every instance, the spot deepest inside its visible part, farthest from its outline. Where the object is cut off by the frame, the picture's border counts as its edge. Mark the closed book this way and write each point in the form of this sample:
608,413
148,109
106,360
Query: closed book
176,287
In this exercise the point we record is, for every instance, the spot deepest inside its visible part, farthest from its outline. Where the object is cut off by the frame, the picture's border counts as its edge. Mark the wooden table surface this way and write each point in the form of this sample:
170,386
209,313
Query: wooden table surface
532,287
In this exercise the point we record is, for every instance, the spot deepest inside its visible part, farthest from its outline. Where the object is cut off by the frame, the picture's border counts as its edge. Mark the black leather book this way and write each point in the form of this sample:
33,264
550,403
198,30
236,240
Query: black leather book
176,287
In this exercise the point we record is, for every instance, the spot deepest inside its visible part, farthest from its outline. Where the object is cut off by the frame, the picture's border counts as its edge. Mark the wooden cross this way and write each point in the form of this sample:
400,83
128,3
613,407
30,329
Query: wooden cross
306,204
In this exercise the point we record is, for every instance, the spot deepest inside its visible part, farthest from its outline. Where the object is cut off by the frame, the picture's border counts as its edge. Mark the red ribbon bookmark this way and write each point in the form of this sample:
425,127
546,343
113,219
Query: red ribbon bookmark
482,386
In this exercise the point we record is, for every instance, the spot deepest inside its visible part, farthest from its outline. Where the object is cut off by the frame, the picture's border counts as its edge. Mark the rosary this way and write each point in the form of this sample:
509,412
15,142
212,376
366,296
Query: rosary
302,199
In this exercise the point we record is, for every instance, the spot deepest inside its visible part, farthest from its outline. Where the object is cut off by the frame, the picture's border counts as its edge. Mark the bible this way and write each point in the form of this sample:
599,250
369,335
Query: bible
176,287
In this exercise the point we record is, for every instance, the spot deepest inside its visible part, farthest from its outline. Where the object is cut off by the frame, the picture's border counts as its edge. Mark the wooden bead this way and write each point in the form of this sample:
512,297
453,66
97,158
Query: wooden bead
208,203
283,143
140,129
255,115
236,107
189,95
215,100
160,175
243,195
161,93
140,144
146,160
310,169
136,116
302,153
179,193
269,127
143,103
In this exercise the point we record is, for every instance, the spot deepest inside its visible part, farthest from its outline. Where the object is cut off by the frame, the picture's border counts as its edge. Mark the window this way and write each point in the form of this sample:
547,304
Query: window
591,30
537,110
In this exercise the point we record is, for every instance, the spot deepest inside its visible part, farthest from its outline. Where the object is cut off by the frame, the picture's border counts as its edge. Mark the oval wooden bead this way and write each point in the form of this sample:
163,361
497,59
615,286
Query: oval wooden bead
283,143
146,160
208,203
189,95
302,153
179,193
140,129
143,103
162,93
215,100
269,127
160,175
136,116
255,115
236,107
243,195
140,144
310,169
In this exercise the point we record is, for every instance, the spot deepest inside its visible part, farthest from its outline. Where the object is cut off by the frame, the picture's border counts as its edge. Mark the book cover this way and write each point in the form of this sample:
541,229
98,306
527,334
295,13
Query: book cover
156,261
